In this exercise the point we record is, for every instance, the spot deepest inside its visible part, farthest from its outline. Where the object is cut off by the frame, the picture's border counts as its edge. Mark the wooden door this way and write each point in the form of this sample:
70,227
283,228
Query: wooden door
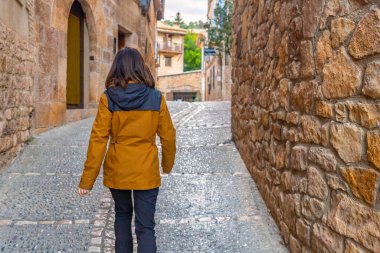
73,95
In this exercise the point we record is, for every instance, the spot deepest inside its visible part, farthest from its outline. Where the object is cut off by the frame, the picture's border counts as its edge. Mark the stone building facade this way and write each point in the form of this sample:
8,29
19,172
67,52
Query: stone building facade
184,86
173,82
217,67
55,56
218,78
306,118
170,49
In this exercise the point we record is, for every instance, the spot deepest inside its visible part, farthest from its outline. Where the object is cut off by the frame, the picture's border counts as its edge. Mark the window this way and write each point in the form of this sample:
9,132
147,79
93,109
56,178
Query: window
123,36
168,61
120,40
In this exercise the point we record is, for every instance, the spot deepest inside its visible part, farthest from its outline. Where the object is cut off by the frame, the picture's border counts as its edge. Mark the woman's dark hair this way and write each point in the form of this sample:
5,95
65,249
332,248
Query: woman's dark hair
129,66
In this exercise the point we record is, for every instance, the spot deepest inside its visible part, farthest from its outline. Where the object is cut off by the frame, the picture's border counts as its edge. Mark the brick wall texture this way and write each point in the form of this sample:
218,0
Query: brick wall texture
306,117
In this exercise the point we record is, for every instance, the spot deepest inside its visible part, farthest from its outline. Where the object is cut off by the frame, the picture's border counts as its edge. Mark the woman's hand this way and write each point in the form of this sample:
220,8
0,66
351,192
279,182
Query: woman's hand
82,192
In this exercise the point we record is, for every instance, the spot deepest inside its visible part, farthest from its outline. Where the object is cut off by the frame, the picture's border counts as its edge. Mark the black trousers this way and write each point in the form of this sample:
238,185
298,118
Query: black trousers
144,205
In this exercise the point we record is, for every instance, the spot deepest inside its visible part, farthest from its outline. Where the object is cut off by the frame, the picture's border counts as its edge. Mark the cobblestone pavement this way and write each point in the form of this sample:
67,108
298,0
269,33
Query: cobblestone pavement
208,204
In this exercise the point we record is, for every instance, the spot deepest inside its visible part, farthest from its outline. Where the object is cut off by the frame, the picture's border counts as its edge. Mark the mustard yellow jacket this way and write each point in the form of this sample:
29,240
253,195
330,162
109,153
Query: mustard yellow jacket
129,118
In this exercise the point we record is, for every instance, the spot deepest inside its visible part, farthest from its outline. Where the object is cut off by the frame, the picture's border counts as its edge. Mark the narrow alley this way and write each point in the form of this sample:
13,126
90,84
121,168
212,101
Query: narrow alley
209,203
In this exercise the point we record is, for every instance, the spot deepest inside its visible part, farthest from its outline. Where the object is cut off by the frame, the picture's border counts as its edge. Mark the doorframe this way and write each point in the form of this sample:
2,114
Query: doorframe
77,10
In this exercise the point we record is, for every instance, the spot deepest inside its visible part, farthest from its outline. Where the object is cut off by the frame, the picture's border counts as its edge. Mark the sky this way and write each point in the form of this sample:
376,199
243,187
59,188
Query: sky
191,10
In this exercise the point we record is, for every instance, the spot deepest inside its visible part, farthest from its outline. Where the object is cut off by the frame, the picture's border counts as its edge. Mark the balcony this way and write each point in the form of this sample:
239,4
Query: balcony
170,48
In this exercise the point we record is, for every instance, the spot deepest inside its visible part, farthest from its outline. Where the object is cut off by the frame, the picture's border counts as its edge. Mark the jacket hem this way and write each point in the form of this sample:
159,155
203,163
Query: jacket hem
137,186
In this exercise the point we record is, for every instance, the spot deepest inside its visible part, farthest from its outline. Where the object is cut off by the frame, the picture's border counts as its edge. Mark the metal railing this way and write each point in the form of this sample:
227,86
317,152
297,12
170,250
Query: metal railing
170,46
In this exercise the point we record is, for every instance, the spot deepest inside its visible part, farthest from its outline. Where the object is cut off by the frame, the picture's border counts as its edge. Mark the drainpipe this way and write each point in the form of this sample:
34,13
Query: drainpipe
203,85
221,75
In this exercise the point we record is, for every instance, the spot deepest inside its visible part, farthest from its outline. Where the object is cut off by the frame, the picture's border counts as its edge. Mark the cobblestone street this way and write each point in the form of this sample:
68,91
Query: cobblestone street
209,203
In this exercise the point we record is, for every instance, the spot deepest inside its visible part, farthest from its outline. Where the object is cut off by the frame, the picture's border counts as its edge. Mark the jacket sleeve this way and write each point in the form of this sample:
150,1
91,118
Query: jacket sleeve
167,134
97,145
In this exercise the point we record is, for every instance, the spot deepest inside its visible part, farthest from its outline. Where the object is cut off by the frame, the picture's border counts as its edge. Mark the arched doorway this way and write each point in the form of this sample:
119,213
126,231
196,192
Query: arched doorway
77,58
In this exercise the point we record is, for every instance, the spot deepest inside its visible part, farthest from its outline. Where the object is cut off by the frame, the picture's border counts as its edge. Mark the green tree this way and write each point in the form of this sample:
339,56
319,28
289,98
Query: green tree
182,24
193,54
178,19
195,24
168,22
220,31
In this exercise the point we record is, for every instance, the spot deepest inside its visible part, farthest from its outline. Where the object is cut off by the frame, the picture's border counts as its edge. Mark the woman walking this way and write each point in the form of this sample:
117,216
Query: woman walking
131,112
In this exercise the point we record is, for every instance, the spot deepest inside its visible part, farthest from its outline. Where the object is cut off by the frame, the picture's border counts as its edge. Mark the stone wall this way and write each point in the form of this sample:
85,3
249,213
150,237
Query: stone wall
184,82
306,117
17,66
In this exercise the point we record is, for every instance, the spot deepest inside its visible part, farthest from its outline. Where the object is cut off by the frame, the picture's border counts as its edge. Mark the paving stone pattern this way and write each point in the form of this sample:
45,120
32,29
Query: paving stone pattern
209,203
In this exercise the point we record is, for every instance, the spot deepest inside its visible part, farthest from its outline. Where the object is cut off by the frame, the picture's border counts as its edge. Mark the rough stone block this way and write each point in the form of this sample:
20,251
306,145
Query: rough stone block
312,208
294,37
317,186
292,135
284,230
333,8
326,241
291,182
365,114
307,59
303,95
371,86
293,118
352,247
323,157
336,183
325,138
312,10
340,29
363,182
324,109
293,70
303,232
5,144
298,158
280,156
354,220
283,58
356,4
284,18
284,87
294,245
341,112
310,129
373,147
347,141
366,39
324,50
290,206
336,85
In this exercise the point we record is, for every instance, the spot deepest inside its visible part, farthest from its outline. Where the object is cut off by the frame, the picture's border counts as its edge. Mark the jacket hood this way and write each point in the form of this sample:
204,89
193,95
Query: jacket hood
133,97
